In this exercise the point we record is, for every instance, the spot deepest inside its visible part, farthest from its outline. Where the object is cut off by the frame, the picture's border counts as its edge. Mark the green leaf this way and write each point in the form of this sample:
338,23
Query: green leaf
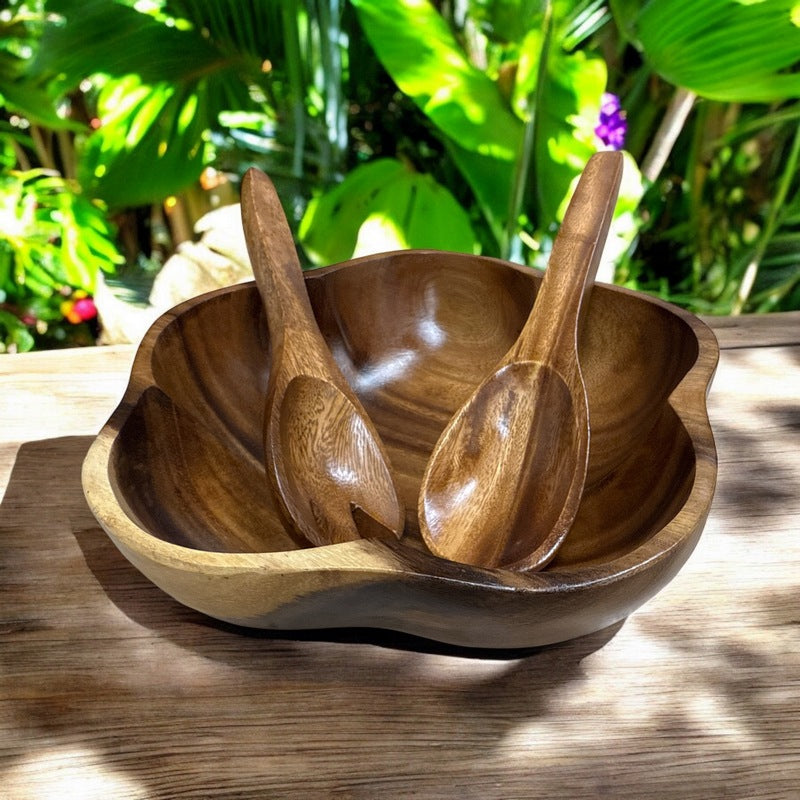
505,20
164,86
91,36
490,179
415,45
16,333
30,96
148,147
729,50
383,206
482,135
52,234
512,20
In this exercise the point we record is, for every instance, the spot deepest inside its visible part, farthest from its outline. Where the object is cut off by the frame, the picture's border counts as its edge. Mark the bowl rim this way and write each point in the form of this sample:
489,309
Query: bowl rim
389,559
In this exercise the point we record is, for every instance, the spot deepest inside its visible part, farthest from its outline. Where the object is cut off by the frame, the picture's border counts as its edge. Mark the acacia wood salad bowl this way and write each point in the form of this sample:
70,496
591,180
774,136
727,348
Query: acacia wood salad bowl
176,477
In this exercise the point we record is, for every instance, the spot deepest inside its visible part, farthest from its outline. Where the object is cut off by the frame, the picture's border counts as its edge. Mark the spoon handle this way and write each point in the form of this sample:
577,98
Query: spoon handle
273,255
551,331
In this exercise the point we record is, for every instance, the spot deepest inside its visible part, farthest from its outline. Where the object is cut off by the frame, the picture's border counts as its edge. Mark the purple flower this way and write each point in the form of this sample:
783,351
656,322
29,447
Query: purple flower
612,126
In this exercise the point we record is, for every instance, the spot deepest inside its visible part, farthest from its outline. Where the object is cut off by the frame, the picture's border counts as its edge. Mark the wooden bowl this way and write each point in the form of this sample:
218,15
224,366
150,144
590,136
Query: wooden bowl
176,476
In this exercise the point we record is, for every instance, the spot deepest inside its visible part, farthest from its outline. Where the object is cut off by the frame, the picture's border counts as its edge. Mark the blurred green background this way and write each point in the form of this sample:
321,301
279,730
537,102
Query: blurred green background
385,124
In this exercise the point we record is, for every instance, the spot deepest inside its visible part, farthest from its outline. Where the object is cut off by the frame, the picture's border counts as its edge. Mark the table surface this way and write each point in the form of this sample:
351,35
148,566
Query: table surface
111,689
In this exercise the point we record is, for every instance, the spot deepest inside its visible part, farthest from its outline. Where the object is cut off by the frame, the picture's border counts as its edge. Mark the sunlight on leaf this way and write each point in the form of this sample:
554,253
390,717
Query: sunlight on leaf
147,146
163,83
569,113
384,206
58,236
729,50
140,118
187,113
379,233
421,54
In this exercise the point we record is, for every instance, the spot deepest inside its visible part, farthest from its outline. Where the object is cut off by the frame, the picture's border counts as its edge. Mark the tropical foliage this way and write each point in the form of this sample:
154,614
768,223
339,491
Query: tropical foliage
403,123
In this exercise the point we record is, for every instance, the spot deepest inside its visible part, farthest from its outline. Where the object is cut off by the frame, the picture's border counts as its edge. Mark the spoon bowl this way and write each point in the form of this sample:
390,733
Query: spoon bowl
504,482
544,483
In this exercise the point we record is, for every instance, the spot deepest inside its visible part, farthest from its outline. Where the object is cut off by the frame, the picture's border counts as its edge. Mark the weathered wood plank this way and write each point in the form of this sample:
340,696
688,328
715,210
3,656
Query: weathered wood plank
108,688
756,330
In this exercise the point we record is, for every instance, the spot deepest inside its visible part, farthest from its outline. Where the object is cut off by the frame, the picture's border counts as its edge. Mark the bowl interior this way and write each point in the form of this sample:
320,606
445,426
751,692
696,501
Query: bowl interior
414,333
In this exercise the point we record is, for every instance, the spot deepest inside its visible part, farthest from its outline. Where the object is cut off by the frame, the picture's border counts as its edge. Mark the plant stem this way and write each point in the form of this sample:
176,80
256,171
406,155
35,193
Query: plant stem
328,19
42,151
695,180
770,226
67,152
22,157
667,133
294,67
529,140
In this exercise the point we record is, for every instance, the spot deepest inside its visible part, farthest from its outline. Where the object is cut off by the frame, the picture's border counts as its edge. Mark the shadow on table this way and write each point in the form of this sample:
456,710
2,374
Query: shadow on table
44,515
124,585
95,656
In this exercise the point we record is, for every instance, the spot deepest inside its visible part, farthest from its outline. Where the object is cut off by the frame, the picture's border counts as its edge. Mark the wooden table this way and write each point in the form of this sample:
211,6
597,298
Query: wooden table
110,689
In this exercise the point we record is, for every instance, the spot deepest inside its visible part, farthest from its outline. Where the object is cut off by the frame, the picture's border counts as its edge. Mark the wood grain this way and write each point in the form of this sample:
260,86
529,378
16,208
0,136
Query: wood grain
109,688
328,468
504,482
33,388
174,472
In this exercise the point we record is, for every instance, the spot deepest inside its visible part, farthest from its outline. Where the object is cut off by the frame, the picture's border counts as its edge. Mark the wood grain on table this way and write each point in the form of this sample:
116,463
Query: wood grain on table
110,689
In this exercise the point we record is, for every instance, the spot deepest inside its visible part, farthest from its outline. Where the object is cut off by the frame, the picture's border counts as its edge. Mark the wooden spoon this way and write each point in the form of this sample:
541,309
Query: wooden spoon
504,482
324,457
